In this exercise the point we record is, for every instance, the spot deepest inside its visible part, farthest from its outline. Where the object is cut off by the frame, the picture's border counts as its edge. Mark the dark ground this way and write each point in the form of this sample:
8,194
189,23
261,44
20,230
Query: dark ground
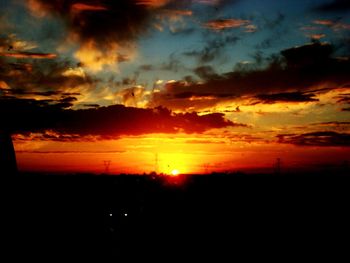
128,217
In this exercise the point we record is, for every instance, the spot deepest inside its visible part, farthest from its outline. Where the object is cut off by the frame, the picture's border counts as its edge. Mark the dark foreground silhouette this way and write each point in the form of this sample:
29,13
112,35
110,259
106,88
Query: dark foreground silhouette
8,163
124,218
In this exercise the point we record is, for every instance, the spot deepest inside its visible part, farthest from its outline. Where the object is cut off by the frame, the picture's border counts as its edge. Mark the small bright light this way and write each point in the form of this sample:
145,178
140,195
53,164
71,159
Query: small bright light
175,172
125,214
110,214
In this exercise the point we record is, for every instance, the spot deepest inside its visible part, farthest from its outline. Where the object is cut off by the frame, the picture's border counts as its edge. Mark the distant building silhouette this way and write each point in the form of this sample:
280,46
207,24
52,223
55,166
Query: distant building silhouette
8,163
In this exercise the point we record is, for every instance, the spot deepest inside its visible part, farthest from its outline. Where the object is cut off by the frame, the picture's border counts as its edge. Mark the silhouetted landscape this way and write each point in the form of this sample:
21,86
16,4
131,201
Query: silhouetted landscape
152,217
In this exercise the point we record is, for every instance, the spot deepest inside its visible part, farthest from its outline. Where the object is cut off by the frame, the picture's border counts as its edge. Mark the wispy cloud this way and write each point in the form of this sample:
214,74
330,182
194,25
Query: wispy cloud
222,24
31,55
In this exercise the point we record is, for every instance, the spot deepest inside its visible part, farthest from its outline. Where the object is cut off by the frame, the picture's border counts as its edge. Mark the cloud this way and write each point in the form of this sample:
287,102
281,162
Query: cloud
335,25
222,24
96,59
206,72
343,98
51,79
333,123
133,97
287,77
285,97
33,116
174,20
273,25
11,43
102,22
152,3
322,138
332,126
213,49
105,29
334,6
30,55
317,36
80,7
174,64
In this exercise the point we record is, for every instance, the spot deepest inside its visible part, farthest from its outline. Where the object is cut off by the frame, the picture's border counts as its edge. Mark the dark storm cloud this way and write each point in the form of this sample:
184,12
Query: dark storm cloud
47,78
343,98
102,21
285,97
105,21
217,5
334,6
206,72
24,116
322,138
287,77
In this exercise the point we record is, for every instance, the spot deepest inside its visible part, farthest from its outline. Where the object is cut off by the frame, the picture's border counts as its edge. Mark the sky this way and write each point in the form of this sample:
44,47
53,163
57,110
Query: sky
160,85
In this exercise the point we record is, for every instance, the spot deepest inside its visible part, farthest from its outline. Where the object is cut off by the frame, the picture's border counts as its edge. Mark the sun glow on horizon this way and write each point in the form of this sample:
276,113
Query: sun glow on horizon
175,172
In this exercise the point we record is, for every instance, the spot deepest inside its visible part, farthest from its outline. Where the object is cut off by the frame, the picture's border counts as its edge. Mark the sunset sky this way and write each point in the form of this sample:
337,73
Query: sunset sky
195,86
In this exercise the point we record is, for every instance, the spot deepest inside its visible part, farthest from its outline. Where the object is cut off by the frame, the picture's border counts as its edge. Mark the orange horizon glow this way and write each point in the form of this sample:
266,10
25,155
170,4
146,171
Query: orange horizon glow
165,155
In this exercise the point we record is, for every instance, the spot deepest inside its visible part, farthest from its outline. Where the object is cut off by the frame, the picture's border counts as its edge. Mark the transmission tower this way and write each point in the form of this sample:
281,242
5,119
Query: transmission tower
156,163
206,168
278,166
107,164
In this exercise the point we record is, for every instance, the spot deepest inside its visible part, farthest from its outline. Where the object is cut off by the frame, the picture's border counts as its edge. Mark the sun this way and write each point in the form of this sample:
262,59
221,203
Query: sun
175,172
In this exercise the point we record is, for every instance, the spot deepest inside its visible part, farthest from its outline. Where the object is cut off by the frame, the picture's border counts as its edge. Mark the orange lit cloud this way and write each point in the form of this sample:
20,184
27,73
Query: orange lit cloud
29,55
86,7
96,59
222,24
317,36
324,22
175,12
336,26
152,3
172,19
11,43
